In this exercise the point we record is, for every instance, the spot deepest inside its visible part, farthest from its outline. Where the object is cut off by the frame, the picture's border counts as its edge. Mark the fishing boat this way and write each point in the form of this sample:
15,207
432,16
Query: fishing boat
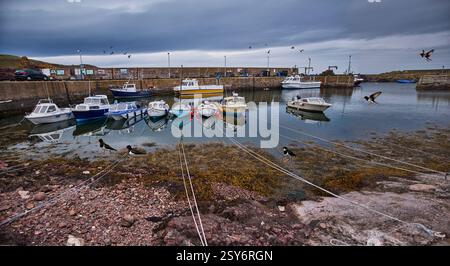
308,117
93,107
234,104
310,104
406,81
158,109
47,112
357,80
207,109
129,90
190,86
180,109
125,110
296,82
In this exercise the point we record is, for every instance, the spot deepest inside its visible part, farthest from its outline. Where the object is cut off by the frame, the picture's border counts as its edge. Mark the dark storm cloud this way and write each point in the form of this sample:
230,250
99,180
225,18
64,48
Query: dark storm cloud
41,28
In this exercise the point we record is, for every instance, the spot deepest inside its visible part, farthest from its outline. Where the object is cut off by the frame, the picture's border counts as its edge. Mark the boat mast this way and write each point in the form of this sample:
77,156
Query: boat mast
349,64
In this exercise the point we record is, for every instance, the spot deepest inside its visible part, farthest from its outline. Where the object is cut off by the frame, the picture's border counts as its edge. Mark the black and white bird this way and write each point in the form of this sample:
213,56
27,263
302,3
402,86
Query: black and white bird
427,55
133,151
371,98
288,152
301,50
105,146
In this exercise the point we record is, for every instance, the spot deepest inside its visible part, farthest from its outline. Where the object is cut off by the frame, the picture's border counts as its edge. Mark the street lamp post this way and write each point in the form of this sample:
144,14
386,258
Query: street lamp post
168,61
225,72
81,64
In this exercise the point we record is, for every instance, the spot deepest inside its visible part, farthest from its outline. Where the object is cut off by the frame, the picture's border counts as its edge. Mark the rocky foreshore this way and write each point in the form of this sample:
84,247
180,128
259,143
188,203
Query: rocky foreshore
241,202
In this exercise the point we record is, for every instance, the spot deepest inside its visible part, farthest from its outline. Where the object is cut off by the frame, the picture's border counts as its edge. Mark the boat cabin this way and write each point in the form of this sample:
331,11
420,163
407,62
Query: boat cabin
296,78
189,83
158,105
129,87
45,106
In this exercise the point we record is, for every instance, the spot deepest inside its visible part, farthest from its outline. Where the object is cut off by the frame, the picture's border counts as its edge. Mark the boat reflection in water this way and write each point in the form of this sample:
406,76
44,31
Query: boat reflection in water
234,122
52,133
95,127
157,124
125,126
308,117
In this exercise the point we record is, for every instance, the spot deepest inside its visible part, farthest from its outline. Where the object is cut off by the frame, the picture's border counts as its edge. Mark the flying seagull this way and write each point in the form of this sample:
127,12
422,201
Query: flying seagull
105,146
371,98
112,52
292,47
268,52
301,50
129,56
250,47
427,55
288,152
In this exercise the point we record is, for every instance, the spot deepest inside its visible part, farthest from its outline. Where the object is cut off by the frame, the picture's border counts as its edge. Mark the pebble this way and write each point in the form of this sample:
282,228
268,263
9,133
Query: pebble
86,172
24,194
127,221
40,196
281,208
74,241
30,205
72,212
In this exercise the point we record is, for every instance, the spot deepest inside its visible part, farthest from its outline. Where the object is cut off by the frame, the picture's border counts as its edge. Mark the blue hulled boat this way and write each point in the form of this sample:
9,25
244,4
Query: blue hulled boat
406,81
93,107
129,90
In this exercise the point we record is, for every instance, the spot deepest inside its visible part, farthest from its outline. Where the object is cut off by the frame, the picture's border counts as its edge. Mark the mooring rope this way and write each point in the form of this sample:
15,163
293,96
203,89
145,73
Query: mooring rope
19,167
354,157
363,151
289,173
75,189
188,198
193,194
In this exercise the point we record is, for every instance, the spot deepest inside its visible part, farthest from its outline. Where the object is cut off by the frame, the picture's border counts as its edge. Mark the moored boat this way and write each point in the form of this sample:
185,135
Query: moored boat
93,107
296,82
207,109
158,109
190,86
47,112
310,104
125,110
180,109
234,104
357,80
129,90
406,81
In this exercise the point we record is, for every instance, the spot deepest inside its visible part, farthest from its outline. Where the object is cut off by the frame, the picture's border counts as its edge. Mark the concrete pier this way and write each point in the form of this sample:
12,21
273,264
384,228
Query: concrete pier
434,82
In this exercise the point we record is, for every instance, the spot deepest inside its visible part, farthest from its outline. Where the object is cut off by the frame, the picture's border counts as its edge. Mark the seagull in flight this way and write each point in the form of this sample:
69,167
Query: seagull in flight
129,56
371,98
301,50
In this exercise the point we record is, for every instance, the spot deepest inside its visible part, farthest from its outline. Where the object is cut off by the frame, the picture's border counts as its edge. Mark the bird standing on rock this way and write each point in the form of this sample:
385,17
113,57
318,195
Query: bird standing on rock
371,98
133,151
105,146
288,152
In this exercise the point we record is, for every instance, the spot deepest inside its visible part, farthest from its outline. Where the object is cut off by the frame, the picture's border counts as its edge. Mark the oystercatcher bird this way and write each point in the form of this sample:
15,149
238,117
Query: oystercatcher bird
105,146
371,98
133,151
427,55
288,152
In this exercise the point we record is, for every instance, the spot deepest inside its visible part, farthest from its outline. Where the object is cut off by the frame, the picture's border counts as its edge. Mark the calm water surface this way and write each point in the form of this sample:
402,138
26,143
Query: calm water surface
399,107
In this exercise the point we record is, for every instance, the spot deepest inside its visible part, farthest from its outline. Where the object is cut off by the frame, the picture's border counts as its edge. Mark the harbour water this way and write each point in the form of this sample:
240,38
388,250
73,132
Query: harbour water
400,107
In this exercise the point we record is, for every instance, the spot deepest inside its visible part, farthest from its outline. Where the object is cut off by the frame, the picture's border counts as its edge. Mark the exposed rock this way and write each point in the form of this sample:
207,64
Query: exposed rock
29,205
281,208
422,187
86,172
127,221
24,194
40,196
74,241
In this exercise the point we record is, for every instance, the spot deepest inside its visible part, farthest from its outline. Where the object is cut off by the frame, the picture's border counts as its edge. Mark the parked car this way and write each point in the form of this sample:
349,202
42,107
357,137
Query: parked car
30,74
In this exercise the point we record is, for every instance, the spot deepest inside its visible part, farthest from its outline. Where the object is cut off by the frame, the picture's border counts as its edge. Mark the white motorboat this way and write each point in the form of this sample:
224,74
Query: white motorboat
357,80
47,112
190,86
125,110
208,109
296,82
93,107
180,109
311,104
158,108
234,104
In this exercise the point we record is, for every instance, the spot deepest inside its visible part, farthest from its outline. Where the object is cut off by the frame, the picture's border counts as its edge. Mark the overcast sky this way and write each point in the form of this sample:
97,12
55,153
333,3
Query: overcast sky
380,36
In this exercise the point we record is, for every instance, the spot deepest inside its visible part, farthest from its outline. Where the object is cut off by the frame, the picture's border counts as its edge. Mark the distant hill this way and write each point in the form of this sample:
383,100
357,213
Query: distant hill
16,62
